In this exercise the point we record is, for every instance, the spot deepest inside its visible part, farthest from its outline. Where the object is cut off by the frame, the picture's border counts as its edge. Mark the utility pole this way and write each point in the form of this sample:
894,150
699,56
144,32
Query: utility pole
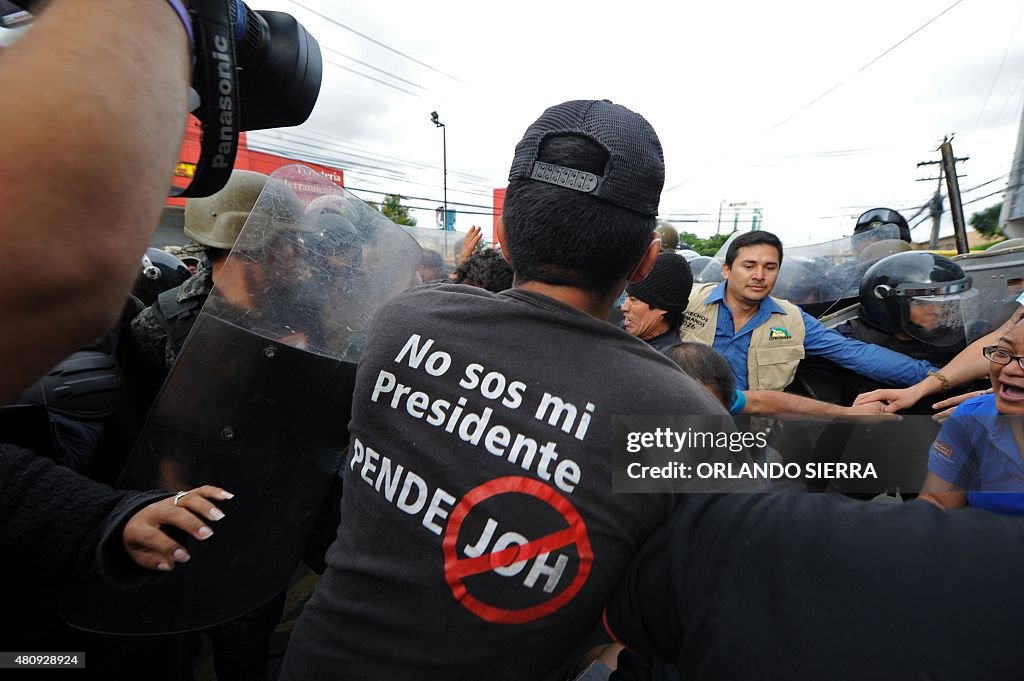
953,190
935,205
946,171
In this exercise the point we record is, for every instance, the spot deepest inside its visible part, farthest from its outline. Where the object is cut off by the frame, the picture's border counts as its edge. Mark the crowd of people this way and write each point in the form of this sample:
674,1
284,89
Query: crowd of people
475,530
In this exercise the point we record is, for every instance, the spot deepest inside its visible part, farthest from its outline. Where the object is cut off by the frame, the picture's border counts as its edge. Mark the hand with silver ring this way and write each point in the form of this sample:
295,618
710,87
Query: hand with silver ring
149,546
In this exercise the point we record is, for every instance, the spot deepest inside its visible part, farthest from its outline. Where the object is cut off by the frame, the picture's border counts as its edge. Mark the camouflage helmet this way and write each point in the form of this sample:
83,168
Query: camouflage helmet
190,251
216,220
189,248
669,236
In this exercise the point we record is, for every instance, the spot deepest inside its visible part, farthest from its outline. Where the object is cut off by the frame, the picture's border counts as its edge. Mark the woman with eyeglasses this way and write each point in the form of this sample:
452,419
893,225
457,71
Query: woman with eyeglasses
976,460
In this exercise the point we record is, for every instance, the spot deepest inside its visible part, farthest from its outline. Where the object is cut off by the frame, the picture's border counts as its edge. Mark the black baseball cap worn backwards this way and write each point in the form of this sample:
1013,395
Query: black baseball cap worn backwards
635,174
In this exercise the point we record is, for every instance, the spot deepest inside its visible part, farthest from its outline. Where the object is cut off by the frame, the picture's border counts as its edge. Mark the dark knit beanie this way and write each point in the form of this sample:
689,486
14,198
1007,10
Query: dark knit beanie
668,285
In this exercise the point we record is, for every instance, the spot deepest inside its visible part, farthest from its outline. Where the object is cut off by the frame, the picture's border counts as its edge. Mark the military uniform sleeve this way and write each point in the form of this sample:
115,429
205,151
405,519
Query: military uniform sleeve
150,338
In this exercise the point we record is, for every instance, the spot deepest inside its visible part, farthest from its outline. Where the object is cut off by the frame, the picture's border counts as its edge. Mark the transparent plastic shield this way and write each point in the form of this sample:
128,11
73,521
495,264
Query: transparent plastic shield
440,251
831,271
707,269
998,276
259,401
939,320
311,266
820,273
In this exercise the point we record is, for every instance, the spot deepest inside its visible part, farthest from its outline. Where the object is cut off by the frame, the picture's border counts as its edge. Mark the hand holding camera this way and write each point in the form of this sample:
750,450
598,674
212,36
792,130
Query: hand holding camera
251,69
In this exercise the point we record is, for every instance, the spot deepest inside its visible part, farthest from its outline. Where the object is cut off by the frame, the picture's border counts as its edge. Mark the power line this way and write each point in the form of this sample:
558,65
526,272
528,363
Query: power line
1016,88
318,156
999,71
921,208
900,208
375,68
858,71
345,157
461,212
1001,191
369,77
349,148
375,41
414,198
919,222
983,184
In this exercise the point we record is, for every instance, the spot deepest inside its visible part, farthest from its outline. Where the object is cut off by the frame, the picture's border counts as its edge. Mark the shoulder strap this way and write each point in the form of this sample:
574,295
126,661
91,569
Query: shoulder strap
176,317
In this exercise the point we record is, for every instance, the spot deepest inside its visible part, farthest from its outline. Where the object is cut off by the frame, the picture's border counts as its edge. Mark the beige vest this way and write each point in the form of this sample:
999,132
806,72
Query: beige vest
776,347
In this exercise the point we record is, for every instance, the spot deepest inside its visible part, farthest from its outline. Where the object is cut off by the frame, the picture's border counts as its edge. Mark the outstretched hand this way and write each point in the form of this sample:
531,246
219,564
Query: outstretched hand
872,412
896,399
149,546
950,404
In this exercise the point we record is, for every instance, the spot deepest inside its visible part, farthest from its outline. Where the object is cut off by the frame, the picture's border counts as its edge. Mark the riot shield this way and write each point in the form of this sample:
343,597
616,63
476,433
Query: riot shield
706,269
259,401
821,277
825,273
998,276
439,246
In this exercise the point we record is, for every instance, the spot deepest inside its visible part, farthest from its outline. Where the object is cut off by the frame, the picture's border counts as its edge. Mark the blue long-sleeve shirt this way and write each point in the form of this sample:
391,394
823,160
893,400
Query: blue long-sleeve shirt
873,361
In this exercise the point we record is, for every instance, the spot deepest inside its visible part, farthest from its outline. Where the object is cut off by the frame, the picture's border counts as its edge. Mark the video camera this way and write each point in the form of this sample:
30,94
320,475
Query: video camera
253,69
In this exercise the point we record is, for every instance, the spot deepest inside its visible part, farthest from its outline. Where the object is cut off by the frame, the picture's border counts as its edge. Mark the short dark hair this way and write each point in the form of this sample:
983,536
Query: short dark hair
674,320
485,268
752,239
432,260
563,237
707,367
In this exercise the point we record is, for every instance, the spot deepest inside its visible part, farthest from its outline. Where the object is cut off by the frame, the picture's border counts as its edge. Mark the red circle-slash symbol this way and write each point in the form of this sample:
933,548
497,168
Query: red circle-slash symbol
457,569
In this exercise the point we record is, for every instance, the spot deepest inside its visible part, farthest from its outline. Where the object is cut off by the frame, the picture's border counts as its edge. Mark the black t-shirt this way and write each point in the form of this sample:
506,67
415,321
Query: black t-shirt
479,535
824,587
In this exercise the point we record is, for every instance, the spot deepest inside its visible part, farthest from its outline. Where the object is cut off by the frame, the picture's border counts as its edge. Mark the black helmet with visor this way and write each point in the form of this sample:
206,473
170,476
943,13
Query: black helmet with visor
919,293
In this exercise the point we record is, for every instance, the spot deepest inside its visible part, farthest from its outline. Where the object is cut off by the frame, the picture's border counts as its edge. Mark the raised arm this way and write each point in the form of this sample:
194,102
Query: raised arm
95,97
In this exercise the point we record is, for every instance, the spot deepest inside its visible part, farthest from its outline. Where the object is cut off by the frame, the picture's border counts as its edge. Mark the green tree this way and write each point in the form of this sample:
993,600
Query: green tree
393,210
707,246
986,221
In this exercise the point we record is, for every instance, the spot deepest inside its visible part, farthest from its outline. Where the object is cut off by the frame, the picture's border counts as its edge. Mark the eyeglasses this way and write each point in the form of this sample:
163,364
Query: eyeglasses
997,355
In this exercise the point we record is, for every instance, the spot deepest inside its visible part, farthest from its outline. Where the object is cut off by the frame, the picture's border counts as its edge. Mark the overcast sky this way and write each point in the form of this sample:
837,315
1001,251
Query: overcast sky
817,111
729,86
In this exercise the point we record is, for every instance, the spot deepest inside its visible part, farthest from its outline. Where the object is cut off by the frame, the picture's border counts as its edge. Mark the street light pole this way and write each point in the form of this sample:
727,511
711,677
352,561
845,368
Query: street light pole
444,156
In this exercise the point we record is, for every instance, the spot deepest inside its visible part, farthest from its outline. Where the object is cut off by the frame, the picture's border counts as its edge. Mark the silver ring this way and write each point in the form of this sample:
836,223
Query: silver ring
178,496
